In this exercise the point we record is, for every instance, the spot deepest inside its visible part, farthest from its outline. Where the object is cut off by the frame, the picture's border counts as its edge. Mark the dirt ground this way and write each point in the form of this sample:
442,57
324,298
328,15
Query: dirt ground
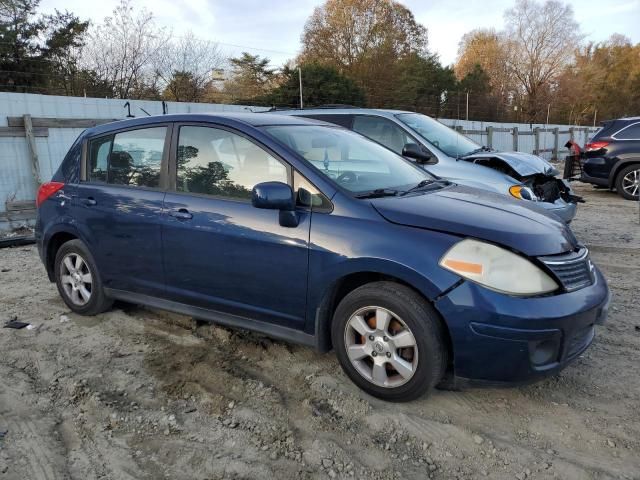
140,394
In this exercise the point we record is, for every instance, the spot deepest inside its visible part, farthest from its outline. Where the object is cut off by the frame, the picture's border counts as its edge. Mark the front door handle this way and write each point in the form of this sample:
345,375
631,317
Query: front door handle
181,214
89,202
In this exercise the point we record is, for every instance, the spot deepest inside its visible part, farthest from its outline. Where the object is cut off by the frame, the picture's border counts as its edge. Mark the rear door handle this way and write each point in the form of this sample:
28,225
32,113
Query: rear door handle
181,214
89,202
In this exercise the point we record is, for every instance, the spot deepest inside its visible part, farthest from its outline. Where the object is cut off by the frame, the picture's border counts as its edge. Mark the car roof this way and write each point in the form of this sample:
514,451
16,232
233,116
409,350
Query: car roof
228,118
383,112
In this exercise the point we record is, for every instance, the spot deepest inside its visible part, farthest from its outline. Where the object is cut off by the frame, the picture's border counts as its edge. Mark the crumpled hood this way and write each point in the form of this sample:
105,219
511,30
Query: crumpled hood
483,215
524,164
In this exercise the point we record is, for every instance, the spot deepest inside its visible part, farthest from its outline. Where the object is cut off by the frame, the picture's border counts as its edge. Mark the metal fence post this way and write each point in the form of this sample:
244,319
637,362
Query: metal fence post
556,142
489,137
572,135
536,135
515,139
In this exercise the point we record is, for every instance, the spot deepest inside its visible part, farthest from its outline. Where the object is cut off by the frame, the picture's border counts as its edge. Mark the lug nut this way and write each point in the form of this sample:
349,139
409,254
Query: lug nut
371,337
389,354
385,338
374,354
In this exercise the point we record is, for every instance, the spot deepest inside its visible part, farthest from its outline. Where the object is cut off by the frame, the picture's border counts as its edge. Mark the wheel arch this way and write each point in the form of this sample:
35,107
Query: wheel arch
347,283
619,165
60,235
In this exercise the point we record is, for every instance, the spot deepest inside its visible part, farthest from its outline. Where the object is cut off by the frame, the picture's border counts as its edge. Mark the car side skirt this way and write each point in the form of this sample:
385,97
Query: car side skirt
234,321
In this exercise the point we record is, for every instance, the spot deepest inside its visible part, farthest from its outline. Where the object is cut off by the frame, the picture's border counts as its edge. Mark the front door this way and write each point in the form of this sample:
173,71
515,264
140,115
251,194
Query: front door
219,251
118,207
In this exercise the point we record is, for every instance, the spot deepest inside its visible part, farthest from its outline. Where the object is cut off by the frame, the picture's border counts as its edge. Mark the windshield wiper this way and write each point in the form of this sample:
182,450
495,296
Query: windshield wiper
424,183
378,193
477,150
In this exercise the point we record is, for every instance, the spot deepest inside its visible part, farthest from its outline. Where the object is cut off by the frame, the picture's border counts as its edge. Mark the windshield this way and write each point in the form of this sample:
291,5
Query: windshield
439,135
352,161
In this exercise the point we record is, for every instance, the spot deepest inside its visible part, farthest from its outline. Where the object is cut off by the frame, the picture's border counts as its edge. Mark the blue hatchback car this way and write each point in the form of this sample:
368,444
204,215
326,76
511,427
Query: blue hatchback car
311,233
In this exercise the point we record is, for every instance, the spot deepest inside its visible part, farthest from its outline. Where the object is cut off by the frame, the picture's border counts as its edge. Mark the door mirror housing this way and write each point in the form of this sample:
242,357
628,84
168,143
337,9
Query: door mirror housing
419,154
273,196
276,196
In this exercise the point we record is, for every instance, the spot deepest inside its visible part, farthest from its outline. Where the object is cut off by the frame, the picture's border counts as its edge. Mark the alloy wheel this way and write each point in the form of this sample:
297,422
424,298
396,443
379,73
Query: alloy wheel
381,347
631,182
76,279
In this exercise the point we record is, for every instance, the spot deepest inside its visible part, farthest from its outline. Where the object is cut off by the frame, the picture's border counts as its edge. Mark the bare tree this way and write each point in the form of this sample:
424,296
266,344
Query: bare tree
186,66
122,49
542,39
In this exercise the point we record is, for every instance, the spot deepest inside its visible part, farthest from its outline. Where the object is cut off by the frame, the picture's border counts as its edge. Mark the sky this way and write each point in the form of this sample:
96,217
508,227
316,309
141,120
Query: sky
272,28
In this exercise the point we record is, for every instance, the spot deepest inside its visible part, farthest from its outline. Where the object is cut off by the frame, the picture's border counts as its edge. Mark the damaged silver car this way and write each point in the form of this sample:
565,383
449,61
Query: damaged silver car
447,153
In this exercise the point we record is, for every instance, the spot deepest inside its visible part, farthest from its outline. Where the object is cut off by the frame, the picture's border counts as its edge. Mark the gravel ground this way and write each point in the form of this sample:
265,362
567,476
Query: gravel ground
140,394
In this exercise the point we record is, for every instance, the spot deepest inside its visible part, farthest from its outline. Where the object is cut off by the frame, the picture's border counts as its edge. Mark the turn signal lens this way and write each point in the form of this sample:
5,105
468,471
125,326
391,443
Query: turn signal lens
522,192
497,268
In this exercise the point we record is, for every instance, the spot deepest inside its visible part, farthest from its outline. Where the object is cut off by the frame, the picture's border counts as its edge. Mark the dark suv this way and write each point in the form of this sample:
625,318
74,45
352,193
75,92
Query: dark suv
309,232
612,157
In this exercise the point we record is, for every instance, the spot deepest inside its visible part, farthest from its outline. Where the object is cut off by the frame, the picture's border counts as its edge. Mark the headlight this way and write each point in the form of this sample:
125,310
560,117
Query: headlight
523,193
496,268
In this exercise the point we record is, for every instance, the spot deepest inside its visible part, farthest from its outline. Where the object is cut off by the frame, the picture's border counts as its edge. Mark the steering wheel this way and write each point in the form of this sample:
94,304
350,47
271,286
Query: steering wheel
347,177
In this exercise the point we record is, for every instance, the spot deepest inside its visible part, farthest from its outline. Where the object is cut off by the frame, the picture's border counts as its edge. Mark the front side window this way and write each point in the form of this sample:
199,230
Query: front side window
382,131
352,161
439,135
132,158
217,162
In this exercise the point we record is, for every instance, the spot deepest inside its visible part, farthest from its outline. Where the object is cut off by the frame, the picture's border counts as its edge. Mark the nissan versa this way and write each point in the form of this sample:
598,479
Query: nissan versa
309,232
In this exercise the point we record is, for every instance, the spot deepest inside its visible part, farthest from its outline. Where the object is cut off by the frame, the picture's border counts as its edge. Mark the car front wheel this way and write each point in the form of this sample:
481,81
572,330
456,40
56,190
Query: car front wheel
78,280
389,341
628,182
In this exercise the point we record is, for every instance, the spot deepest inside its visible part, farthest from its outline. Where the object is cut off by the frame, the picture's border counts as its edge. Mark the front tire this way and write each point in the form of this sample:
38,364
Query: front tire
628,182
389,341
78,279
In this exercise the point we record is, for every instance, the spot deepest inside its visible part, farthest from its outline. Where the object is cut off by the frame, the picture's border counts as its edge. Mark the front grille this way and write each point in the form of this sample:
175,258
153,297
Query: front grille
574,270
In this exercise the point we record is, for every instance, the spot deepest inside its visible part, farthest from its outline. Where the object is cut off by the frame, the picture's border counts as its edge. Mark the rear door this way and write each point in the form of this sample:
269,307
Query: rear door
220,252
118,206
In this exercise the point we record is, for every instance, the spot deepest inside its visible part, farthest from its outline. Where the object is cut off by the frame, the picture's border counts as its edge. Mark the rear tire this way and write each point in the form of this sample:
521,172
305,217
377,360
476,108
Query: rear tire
78,279
384,325
628,182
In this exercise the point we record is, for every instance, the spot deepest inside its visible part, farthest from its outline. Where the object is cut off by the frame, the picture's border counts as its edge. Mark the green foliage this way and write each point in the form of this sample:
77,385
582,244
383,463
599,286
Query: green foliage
321,85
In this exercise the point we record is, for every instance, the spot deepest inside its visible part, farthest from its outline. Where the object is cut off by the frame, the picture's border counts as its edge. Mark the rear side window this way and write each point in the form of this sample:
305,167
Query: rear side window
343,120
632,132
382,131
132,158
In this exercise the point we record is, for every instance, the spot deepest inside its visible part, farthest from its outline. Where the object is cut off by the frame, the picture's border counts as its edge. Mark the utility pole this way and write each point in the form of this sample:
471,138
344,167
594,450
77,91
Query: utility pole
300,79
467,106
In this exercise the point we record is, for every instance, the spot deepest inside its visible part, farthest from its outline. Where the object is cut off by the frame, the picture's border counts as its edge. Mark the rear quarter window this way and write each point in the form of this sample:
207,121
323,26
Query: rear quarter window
632,132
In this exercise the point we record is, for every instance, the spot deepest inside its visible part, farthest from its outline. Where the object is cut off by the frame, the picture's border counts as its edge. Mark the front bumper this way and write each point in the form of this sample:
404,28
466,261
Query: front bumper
501,339
565,210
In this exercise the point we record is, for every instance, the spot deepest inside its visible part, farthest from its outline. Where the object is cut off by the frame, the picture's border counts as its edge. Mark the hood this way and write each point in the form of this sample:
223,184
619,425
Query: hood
524,164
470,212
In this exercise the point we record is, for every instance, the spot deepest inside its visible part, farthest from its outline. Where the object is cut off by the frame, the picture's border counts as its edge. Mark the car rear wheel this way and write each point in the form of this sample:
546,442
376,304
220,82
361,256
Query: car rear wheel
78,280
389,341
628,182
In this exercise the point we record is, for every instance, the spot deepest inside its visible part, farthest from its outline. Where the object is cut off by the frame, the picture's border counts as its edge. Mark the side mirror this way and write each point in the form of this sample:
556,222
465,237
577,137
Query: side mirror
413,150
276,196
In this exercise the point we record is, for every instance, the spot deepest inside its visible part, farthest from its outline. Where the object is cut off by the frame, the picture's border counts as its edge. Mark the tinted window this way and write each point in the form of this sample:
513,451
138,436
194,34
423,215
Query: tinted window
382,131
629,133
218,162
98,159
342,120
136,157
